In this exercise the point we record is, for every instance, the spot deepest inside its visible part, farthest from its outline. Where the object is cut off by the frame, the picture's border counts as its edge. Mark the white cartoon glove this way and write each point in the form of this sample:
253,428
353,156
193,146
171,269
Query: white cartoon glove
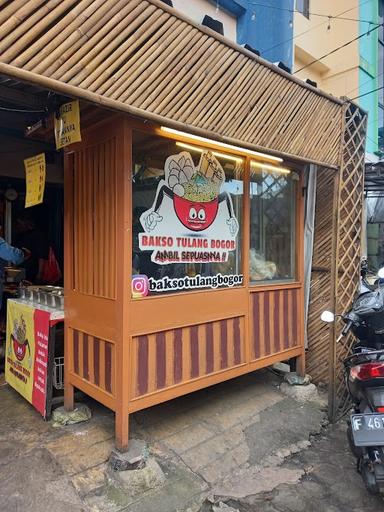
233,226
151,220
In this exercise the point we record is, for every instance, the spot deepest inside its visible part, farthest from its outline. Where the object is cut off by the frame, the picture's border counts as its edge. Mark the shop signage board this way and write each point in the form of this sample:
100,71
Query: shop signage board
67,125
26,365
35,173
191,221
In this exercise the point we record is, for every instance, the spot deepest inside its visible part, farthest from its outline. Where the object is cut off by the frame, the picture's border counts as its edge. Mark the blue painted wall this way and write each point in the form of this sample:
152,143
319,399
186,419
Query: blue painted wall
267,28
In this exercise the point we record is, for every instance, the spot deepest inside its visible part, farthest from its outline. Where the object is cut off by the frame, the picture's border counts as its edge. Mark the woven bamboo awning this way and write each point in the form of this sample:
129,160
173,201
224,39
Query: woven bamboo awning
142,57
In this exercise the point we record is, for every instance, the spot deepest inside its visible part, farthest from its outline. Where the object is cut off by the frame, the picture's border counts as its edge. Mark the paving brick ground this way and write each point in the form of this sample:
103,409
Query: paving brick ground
242,442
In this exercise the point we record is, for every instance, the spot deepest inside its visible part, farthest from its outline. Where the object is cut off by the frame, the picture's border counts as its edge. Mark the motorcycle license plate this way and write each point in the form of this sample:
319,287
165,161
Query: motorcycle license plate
368,429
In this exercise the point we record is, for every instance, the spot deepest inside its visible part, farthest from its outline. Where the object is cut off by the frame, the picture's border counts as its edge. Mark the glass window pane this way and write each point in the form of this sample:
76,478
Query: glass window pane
303,7
187,216
273,224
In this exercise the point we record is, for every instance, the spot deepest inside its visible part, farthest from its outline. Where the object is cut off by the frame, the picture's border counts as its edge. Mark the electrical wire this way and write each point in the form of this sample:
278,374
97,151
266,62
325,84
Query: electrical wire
328,16
339,48
364,83
366,93
311,28
6,109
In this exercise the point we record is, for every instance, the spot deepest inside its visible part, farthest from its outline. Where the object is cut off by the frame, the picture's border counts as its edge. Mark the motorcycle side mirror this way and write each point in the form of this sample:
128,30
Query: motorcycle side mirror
380,273
328,317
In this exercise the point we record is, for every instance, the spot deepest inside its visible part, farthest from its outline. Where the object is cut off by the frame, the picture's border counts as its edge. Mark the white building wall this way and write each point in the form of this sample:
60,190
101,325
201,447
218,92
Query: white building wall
197,9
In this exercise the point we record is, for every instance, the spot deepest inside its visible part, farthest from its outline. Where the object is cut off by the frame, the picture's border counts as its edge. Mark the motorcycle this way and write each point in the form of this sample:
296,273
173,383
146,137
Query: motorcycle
364,378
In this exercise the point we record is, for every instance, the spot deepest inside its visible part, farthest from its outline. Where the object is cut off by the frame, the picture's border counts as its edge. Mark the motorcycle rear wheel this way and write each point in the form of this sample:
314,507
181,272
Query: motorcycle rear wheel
373,476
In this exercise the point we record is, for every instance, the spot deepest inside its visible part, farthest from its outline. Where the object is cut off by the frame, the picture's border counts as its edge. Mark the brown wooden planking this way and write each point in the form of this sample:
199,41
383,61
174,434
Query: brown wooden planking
194,354
95,220
137,52
275,321
94,360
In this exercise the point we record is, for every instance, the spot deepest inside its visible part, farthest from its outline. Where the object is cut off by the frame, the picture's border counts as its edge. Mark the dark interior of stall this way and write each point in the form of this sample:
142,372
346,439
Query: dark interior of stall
37,230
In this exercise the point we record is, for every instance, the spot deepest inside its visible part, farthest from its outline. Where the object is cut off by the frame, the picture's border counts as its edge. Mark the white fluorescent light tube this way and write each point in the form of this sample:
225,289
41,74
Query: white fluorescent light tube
221,144
216,153
270,167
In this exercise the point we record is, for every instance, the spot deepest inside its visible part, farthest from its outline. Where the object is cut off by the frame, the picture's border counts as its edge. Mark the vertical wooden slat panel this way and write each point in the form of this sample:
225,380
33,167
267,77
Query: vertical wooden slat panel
112,225
266,323
223,344
256,325
276,322
169,358
96,361
295,319
186,340
290,312
85,356
216,347
202,350
76,351
209,347
96,232
237,356
108,367
194,351
281,320
102,364
95,220
81,352
178,355
105,166
142,363
230,343
160,360
152,363
91,359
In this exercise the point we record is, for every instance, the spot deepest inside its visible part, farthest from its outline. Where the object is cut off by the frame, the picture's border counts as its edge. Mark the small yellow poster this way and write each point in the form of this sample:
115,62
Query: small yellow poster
67,125
20,349
35,171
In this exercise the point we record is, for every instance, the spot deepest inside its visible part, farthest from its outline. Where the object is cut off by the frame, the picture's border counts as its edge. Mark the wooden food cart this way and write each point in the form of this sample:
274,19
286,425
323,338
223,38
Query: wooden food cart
169,96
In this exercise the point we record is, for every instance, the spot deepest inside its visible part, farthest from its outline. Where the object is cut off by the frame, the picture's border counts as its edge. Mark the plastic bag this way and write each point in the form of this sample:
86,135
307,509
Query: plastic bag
51,271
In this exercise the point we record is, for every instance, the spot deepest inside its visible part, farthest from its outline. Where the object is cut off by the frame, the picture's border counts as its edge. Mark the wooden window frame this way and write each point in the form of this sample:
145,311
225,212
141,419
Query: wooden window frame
297,282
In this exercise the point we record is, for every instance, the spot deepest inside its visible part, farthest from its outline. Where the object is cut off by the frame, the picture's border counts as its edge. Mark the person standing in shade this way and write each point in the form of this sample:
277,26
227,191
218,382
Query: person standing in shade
9,254
29,237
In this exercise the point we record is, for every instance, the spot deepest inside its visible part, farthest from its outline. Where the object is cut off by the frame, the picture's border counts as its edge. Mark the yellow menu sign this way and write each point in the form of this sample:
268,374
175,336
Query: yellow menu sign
67,125
35,171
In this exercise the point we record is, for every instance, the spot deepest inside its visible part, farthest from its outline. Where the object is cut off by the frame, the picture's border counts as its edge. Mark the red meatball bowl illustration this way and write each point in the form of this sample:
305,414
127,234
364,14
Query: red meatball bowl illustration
19,348
195,216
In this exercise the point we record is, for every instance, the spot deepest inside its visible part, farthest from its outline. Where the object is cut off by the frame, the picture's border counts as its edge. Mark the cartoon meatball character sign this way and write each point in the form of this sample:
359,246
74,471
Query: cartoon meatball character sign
190,200
19,340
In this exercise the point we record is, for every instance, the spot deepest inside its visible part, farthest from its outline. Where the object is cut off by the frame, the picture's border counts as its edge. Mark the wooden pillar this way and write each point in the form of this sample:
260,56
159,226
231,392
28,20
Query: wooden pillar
124,274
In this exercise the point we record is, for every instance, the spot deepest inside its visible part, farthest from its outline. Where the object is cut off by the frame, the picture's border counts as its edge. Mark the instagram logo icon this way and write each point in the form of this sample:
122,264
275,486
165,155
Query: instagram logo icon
140,286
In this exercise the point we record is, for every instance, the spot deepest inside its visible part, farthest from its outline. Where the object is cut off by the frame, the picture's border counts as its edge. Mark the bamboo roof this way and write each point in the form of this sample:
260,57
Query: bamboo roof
145,58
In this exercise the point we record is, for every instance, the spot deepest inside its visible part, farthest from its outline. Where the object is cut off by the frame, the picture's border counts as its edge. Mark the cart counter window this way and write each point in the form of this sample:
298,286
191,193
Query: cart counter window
272,223
187,217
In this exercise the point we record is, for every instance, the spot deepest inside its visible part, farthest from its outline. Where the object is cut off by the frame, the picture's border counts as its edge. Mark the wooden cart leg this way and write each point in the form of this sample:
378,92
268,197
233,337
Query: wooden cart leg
300,364
69,397
121,430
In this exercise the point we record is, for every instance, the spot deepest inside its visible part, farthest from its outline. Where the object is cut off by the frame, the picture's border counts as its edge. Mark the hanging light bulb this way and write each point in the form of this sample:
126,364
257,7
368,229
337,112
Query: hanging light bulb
253,17
329,24
217,6
290,23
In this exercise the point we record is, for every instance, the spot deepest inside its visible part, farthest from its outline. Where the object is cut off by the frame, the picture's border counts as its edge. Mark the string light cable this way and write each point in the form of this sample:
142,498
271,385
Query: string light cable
310,29
340,47
364,83
366,93
316,14
20,111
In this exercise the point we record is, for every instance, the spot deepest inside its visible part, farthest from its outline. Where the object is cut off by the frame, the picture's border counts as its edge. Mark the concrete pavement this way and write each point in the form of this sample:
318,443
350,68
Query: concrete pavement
242,443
